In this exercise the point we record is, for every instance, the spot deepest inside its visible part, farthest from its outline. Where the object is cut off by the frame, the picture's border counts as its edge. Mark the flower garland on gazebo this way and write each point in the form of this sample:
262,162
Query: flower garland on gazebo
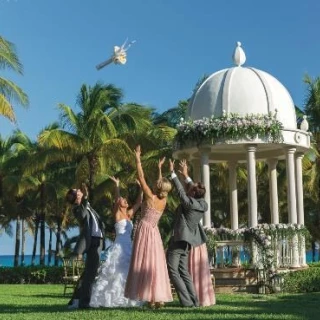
264,236
230,126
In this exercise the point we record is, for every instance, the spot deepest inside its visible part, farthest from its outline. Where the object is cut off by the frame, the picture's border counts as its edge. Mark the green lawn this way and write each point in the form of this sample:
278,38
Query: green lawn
43,302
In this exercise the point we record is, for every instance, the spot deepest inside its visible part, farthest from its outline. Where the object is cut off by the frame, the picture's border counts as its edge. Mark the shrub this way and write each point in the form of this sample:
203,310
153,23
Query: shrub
307,280
31,275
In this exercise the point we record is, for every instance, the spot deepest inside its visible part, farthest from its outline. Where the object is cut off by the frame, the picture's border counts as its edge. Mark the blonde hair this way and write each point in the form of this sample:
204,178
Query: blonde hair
162,187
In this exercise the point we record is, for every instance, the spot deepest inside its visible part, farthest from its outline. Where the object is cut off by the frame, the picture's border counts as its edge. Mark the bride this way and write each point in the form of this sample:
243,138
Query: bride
108,290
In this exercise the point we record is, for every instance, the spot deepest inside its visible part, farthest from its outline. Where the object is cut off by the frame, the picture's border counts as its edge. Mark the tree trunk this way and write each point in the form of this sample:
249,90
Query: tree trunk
313,246
92,165
23,242
17,245
57,256
35,240
42,241
50,247
42,227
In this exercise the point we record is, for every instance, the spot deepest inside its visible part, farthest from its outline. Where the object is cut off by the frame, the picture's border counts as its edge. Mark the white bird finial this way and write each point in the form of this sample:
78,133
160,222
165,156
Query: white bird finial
239,57
304,125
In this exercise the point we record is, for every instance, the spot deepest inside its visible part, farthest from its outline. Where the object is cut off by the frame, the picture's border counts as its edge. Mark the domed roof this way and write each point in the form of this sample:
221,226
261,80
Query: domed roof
243,91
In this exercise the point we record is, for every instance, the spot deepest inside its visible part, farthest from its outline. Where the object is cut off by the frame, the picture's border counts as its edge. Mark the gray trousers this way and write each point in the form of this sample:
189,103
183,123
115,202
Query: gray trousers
84,288
177,261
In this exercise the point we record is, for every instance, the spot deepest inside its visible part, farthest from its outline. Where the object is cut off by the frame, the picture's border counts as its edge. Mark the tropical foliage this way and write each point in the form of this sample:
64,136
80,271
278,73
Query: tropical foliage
95,139
9,92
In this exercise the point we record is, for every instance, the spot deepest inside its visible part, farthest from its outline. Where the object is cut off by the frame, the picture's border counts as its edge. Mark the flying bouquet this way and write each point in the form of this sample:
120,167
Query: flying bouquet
119,55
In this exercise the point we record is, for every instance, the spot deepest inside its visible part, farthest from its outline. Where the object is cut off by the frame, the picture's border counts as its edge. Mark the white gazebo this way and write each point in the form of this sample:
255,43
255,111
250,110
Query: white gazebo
235,94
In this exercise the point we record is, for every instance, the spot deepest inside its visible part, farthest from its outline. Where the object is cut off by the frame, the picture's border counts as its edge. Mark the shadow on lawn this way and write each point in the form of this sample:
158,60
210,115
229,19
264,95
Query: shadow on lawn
304,306
47,295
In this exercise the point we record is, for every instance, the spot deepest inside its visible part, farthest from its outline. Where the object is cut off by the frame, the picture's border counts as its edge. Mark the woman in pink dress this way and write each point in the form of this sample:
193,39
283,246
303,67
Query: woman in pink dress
200,272
148,278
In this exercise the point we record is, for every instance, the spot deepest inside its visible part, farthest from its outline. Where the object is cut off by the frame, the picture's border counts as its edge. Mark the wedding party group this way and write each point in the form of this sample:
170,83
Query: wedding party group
138,271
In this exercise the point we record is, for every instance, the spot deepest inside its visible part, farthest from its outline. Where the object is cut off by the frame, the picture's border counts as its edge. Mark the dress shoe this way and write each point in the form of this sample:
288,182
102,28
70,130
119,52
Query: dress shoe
74,305
159,305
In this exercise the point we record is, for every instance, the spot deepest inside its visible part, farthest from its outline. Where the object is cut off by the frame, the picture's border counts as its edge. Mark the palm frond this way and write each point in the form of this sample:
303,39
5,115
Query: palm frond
13,92
8,56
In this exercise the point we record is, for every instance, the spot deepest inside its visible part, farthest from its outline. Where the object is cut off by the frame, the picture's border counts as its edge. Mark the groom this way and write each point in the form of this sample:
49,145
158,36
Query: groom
187,232
91,242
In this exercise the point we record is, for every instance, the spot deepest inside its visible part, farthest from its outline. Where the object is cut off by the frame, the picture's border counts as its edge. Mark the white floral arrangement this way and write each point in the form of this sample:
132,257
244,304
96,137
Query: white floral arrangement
263,235
230,126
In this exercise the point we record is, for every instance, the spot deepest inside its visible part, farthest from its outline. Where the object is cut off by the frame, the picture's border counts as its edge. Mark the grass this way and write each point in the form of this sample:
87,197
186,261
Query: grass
35,302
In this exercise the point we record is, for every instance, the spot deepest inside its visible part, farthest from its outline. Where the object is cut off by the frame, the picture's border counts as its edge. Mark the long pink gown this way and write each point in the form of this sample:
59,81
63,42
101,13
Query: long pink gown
148,278
200,272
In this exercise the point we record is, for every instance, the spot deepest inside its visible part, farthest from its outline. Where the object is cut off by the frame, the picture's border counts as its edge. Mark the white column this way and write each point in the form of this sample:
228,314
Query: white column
252,186
300,206
291,186
273,187
234,209
205,169
292,202
299,188
233,194
274,205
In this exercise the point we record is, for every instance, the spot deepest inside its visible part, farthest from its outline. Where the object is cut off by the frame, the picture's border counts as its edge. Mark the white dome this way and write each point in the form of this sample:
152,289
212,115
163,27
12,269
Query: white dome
242,90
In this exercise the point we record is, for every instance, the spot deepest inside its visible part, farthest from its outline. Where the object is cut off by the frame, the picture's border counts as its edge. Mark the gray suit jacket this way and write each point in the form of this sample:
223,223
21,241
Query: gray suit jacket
189,213
84,219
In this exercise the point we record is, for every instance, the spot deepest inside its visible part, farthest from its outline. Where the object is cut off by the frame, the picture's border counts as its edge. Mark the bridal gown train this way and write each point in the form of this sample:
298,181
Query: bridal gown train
108,290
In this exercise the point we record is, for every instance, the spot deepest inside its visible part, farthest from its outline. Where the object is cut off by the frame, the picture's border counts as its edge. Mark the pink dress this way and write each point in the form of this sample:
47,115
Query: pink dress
200,272
148,278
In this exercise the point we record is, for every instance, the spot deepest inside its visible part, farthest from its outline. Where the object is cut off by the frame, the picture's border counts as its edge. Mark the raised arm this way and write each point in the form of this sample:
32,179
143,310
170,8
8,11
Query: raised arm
185,200
145,188
117,187
160,164
80,204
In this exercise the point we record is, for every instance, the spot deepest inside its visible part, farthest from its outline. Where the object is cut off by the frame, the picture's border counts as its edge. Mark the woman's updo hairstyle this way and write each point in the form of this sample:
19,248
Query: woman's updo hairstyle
162,188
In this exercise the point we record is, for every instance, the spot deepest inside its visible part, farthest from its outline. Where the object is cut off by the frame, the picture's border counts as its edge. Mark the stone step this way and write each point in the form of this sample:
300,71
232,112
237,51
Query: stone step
233,273
232,280
236,289
236,281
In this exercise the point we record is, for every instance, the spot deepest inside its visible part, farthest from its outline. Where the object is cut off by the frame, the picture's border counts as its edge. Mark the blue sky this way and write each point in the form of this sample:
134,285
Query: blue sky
60,42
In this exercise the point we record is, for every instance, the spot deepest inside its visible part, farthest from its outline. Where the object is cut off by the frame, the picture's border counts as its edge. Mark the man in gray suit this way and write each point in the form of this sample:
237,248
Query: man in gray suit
187,232
91,242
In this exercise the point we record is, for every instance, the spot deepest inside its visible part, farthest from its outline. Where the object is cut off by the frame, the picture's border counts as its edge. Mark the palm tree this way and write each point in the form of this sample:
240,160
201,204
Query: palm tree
93,139
311,161
172,116
9,92
312,103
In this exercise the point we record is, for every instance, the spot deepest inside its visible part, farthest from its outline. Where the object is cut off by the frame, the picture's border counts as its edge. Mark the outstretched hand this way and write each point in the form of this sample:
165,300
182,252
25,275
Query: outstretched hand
115,180
84,190
183,167
137,152
171,165
161,162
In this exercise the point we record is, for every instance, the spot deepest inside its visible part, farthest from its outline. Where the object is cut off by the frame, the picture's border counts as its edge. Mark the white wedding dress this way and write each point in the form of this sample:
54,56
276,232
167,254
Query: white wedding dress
108,290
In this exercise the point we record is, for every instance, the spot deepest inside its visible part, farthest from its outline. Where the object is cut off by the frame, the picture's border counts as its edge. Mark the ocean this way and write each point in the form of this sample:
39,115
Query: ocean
7,261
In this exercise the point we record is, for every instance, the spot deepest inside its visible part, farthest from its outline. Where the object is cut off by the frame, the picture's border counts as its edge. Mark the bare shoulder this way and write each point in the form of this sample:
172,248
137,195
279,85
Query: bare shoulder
159,204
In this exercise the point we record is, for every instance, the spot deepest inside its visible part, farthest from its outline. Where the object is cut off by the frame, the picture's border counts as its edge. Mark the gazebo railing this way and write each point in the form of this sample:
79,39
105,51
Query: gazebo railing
232,248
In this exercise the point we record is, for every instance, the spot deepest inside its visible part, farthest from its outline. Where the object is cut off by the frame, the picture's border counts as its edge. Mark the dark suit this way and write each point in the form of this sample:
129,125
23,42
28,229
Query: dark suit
187,232
91,246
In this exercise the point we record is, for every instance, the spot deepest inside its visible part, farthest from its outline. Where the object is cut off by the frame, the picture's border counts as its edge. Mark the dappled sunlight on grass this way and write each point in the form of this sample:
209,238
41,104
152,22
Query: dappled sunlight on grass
47,302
